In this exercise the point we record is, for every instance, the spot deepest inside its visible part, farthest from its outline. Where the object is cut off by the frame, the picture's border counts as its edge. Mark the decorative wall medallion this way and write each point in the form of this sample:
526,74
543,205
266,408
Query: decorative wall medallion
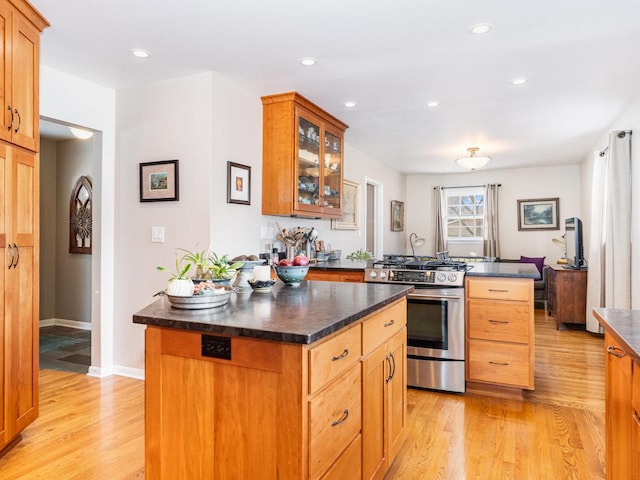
80,217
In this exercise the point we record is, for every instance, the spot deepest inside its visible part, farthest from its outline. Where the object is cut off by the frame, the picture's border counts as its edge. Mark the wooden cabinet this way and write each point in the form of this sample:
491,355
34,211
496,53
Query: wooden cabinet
567,295
618,410
500,333
276,410
302,158
384,390
20,61
635,422
335,276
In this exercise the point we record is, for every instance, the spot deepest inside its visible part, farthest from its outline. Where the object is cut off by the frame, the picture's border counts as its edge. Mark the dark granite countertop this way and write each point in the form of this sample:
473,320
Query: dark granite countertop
301,314
498,269
345,265
624,325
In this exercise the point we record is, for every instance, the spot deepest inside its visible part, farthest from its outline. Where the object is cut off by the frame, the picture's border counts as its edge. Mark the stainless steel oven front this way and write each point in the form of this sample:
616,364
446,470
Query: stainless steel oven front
435,339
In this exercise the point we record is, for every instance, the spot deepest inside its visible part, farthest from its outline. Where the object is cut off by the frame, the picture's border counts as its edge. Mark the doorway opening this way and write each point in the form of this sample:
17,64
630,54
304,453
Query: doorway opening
374,217
65,275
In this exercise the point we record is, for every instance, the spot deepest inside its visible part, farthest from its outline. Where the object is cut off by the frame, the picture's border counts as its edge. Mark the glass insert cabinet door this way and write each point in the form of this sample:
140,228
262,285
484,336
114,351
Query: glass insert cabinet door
309,183
332,170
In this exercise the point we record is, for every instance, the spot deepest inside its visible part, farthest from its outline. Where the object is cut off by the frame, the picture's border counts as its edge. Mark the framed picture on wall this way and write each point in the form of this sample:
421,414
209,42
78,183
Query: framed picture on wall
350,207
397,216
538,214
159,181
238,183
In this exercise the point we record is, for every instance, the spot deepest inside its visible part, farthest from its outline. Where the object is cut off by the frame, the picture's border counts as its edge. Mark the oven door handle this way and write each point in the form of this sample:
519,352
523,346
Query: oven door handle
419,296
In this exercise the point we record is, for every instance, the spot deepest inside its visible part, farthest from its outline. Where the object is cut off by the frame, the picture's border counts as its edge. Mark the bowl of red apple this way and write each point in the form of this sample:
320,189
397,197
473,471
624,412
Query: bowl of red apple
292,271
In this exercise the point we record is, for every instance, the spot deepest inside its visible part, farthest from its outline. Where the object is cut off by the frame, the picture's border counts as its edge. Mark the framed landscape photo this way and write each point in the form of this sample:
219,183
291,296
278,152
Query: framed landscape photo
397,216
238,183
539,214
159,181
350,207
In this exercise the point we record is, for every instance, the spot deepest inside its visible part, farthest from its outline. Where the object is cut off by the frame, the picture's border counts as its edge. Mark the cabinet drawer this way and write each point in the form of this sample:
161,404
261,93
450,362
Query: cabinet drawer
518,289
331,358
349,465
335,418
503,363
498,320
383,325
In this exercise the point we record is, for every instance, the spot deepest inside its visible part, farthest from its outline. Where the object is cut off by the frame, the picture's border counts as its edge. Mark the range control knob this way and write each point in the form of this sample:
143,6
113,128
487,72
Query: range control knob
373,274
441,277
383,275
453,277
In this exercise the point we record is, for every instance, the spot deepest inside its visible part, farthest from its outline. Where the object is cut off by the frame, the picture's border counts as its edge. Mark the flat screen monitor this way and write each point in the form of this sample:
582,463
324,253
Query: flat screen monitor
575,245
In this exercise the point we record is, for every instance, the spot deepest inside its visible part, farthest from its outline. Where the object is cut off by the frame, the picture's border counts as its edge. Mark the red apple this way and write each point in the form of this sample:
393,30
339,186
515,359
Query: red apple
284,263
300,260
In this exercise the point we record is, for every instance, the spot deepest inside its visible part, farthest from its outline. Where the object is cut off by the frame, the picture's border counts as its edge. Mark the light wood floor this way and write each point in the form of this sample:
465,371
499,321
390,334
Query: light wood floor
94,429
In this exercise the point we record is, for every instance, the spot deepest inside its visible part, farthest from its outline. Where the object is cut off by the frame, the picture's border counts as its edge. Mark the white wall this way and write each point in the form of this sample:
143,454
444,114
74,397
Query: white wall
76,101
517,184
48,229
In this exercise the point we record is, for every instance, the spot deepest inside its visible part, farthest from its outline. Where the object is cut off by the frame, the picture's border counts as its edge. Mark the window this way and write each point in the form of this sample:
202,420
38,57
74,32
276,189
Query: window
464,213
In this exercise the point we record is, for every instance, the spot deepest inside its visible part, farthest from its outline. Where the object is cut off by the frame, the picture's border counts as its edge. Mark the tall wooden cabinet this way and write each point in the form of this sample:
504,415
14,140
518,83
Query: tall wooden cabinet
19,205
302,158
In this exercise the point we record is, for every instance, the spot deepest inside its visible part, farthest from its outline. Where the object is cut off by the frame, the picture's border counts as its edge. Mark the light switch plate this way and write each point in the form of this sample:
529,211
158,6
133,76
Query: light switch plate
157,234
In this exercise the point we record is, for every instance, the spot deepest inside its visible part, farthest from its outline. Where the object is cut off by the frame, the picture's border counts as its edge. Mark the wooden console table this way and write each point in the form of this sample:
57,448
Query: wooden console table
567,295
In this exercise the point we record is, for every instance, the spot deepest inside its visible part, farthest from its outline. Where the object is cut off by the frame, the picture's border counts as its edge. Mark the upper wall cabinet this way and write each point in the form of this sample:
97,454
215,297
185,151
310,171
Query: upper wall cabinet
20,27
302,158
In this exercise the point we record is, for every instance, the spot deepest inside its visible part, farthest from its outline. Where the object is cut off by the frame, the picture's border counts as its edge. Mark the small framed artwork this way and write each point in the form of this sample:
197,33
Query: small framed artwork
538,214
238,183
350,207
159,181
397,216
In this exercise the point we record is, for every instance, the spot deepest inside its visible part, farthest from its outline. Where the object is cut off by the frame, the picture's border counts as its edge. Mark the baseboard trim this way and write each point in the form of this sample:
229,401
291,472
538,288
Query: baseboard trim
101,372
61,322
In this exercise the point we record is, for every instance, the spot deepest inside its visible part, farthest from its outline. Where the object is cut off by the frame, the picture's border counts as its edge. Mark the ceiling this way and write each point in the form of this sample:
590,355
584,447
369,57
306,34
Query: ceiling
581,60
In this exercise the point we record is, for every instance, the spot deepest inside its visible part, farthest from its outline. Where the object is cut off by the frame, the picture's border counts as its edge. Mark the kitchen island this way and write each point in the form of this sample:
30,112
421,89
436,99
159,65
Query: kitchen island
304,382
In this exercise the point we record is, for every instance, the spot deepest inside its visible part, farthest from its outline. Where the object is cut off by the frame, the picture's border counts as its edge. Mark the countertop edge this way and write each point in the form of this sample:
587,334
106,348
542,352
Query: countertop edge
601,315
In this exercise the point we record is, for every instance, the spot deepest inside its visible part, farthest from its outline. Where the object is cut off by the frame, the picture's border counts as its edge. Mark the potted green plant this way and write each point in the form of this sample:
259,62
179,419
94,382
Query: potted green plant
201,260
180,285
222,271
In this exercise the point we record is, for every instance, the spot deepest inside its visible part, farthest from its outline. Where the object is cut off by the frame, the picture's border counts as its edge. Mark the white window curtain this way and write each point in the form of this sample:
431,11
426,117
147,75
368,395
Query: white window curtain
609,276
491,231
438,214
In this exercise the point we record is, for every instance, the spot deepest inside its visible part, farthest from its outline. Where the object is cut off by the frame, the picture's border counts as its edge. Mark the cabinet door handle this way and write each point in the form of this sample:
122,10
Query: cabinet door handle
389,323
636,418
19,121
393,371
10,123
10,258
502,322
615,351
341,356
502,364
342,419
15,247
498,290
388,360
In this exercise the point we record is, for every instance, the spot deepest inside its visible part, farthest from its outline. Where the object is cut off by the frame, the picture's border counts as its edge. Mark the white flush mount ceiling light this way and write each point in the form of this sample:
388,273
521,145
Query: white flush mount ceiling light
308,61
519,81
473,161
140,53
350,104
432,104
80,133
481,28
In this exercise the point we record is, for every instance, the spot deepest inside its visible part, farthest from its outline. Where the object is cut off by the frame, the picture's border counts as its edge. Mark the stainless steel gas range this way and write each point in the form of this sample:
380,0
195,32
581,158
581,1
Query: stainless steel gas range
435,318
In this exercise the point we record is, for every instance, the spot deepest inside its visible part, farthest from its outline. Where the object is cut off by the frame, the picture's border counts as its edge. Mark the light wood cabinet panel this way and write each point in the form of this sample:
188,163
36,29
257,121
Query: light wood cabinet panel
618,410
500,336
349,464
21,26
397,393
331,358
385,324
335,276
635,422
302,158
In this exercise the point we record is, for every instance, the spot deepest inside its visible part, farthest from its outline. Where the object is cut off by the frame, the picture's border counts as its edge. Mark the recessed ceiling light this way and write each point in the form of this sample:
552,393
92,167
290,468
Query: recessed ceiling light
433,104
350,104
308,61
481,28
140,53
519,81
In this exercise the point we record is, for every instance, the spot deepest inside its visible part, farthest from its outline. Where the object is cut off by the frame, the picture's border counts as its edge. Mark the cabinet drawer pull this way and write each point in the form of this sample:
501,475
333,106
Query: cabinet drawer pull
389,323
498,321
341,356
615,351
17,259
500,290
10,123
636,418
11,258
393,371
502,364
344,416
388,360
19,121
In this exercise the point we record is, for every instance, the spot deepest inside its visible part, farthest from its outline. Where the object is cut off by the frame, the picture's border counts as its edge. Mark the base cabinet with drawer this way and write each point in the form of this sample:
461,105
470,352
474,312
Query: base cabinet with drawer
335,276
275,410
500,338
